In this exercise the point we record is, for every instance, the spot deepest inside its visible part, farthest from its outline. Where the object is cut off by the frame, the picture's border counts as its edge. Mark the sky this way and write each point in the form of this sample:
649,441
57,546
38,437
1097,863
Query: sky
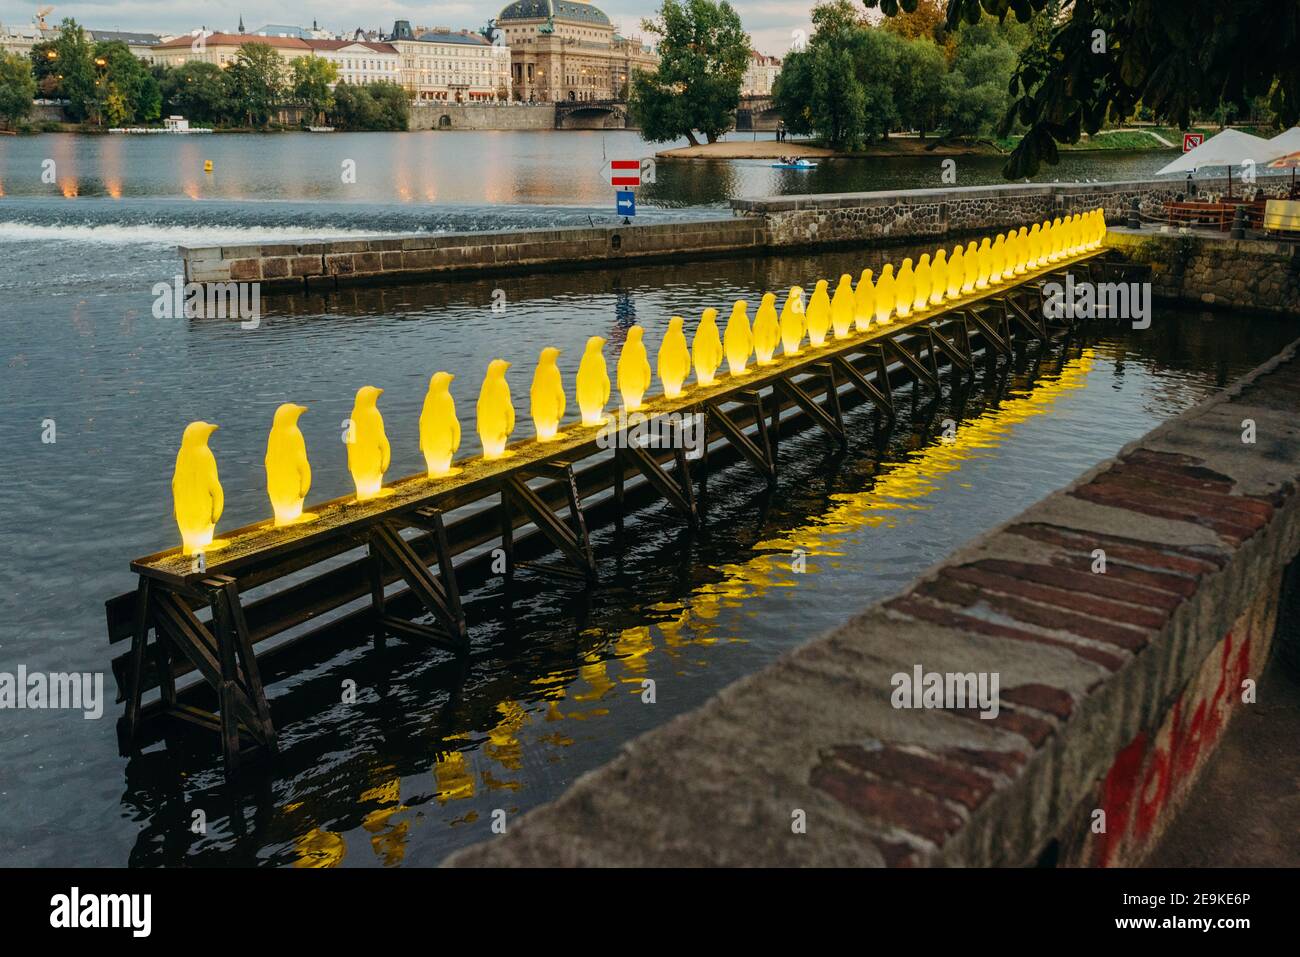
771,23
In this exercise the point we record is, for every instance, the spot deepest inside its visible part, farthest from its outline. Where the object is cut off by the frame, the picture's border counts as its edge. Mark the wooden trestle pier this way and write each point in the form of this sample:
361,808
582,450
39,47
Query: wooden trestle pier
537,501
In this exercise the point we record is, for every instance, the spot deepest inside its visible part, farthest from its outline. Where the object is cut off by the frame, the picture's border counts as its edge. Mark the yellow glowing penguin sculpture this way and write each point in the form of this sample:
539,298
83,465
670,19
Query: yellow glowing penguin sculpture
633,370
1054,240
939,277
983,264
904,289
1035,241
593,382
546,399
495,410
439,426
674,362
1101,229
1076,235
368,448
288,473
842,305
921,280
885,294
738,339
793,321
197,498
1022,253
706,348
864,302
971,274
819,314
997,260
956,272
767,330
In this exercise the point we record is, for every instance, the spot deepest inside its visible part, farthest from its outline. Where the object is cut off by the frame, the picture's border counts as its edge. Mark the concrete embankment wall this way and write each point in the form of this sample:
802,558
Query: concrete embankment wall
1115,685
1253,274
762,226
482,116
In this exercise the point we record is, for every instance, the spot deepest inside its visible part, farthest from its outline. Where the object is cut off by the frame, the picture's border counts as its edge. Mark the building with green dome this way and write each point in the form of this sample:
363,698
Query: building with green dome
568,50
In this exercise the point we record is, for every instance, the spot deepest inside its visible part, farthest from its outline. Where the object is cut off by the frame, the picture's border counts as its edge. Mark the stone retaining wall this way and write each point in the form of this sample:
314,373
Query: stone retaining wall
889,216
1114,683
481,116
325,265
1213,270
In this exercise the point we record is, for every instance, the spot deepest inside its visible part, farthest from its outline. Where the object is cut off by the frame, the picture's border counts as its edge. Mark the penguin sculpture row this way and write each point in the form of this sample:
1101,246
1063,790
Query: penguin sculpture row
196,489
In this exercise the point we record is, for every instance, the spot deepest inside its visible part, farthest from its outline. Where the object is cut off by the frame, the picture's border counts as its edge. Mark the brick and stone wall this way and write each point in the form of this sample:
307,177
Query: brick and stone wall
1114,685
1213,270
890,216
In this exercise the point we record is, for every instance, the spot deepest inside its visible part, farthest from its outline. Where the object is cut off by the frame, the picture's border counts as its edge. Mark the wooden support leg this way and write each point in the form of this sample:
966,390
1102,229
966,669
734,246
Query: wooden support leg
387,543
570,537
375,568
135,679
618,492
755,450
247,660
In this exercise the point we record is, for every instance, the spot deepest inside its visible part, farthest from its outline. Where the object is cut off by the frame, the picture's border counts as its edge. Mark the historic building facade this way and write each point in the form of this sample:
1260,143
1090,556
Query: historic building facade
568,50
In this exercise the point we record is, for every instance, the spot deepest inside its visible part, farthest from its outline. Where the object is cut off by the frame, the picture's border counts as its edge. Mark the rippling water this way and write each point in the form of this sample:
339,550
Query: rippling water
433,746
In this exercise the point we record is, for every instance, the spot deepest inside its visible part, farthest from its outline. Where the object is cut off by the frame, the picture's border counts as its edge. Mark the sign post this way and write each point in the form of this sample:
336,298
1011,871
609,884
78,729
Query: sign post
625,176
625,203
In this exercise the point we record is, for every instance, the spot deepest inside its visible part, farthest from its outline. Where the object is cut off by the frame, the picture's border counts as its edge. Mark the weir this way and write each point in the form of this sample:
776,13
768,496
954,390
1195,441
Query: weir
538,502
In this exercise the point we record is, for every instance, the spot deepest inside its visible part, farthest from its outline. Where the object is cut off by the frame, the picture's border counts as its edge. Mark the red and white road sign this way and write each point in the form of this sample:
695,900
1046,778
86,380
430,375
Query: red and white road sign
1192,140
623,174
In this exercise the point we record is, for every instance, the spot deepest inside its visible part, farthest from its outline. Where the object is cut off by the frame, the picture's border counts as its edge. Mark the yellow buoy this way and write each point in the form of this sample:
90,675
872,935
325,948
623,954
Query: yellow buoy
207,166
864,302
842,305
495,410
793,321
738,338
921,284
904,289
706,348
593,382
288,473
197,497
885,294
767,329
633,370
818,316
674,359
939,277
546,397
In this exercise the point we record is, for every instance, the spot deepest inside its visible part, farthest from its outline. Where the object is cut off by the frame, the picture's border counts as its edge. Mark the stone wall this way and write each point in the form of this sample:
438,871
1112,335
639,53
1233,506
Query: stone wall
890,216
326,265
482,116
1116,682
1211,269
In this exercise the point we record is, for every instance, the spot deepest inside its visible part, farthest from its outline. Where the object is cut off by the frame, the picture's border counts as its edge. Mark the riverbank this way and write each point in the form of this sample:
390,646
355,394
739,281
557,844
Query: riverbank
773,149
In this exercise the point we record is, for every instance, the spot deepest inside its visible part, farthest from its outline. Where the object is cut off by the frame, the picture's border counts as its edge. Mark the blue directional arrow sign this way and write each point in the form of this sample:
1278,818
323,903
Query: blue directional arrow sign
625,202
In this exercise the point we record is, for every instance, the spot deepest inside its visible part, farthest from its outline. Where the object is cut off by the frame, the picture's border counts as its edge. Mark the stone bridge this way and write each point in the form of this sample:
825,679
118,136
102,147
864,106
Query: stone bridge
591,115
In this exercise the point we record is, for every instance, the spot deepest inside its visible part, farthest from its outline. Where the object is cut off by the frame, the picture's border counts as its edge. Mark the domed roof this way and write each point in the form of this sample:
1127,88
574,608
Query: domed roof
560,9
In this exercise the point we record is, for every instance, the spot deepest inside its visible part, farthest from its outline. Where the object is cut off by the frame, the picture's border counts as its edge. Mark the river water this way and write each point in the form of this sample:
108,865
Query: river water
432,747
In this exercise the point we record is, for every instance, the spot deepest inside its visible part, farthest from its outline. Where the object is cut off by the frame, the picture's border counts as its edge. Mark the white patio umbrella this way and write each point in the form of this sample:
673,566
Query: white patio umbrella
1286,147
1228,148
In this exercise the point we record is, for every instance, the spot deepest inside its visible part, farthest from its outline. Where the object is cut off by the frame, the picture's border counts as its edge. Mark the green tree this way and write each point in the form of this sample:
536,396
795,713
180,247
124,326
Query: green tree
1104,57
255,83
922,96
311,83
197,91
73,68
392,105
117,109
124,71
703,53
17,88
375,106
976,87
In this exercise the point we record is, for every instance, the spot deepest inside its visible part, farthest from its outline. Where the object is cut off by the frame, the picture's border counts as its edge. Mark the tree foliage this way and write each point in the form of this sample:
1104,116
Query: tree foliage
311,81
1102,58
196,90
703,53
17,88
373,106
255,83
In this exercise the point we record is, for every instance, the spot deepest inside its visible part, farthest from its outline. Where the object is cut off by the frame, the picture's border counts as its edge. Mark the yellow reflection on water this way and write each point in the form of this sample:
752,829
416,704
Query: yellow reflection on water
897,489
